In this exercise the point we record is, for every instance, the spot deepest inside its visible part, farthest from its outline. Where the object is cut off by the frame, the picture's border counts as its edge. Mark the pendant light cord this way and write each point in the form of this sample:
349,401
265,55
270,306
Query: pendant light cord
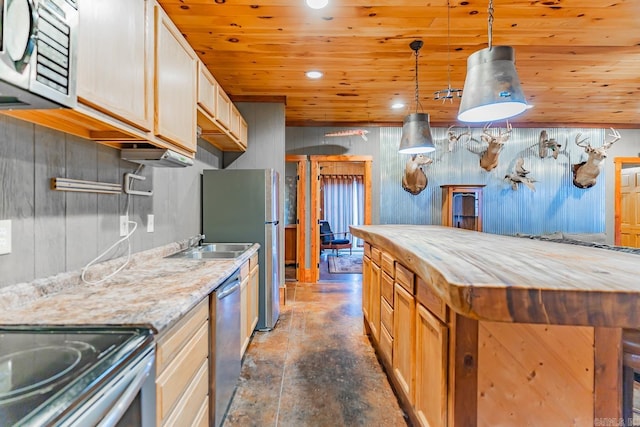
448,46
490,10
417,94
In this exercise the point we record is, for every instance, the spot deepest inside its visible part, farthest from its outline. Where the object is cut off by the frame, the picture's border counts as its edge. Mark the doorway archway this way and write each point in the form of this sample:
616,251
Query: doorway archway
316,162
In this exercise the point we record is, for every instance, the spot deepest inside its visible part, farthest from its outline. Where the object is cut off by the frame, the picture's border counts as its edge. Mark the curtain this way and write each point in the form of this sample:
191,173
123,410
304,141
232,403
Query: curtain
343,202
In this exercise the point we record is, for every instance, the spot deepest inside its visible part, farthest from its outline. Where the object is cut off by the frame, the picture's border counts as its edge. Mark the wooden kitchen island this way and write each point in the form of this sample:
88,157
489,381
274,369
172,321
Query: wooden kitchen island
489,330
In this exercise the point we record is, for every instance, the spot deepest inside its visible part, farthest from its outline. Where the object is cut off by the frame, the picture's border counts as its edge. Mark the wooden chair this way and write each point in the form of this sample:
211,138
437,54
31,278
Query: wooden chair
328,240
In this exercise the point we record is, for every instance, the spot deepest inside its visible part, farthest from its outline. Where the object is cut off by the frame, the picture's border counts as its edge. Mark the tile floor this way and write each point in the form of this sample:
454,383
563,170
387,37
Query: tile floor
316,368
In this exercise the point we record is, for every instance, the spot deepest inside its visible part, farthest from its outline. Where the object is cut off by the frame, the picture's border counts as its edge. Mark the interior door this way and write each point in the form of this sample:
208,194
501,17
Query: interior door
630,207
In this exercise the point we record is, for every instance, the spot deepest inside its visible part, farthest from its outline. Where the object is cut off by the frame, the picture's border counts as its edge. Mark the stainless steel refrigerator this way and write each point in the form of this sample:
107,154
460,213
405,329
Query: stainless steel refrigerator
241,205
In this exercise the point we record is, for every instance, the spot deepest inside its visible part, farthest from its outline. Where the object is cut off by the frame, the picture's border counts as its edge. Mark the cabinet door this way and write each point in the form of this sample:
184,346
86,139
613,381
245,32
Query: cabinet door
404,323
244,132
207,87
223,108
366,286
254,290
374,295
175,71
115,67
244,315
431,369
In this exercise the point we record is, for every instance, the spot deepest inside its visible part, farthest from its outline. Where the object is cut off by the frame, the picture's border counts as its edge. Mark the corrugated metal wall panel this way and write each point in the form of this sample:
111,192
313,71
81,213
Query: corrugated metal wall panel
556,204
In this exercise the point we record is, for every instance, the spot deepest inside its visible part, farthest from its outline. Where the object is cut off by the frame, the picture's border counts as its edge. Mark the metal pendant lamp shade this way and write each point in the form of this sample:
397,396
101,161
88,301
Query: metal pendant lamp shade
416,135
416,131
492,88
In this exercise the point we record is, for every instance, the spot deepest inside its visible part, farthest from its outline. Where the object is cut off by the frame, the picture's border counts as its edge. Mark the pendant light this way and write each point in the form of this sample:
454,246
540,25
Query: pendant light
416,132
448,93
492,88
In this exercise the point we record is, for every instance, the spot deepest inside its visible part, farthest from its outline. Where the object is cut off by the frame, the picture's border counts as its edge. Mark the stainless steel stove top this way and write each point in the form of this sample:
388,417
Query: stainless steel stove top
47,371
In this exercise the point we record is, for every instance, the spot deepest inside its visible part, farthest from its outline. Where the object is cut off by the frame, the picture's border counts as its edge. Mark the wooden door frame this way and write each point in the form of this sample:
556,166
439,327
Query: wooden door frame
315,161
619,163
301,197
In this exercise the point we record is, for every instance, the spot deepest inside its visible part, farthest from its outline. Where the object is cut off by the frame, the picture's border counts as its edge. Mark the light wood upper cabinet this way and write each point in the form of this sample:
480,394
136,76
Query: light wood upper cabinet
114,70
223,108
175,85
207,89
219,120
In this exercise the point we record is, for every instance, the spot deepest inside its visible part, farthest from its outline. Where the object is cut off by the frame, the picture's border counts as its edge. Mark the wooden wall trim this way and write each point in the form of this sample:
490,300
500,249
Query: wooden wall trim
315,199
463,372
617,207
607,396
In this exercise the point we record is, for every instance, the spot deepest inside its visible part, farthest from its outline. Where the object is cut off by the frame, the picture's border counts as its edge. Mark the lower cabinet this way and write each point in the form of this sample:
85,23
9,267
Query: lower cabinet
248,301
412,337
431,369
374,296
404,311
182,370
366,286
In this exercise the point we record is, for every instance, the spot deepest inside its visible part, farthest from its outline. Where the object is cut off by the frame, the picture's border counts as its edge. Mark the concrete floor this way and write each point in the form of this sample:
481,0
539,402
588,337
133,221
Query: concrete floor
316,368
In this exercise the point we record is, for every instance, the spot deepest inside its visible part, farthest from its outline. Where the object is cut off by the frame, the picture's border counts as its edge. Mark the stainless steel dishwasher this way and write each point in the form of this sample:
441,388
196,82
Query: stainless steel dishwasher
226,338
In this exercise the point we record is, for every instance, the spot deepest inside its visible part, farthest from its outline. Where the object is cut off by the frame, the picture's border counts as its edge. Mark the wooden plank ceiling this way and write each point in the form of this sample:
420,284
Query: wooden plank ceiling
578,61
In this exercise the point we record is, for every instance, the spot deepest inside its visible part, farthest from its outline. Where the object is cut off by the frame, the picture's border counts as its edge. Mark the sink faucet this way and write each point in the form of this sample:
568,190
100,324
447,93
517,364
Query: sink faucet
192,242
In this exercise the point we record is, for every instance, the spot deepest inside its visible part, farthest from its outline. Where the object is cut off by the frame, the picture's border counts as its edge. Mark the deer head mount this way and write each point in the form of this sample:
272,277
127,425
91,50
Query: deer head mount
489,158
491,146
414,179
585,173
453,138
545,144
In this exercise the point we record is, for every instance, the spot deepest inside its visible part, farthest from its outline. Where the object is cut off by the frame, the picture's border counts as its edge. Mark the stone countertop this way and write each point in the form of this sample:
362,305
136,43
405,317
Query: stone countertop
152,292
509,279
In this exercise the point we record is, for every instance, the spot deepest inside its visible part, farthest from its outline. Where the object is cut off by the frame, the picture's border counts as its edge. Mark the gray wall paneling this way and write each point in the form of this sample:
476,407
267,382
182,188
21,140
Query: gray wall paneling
17,201
50,231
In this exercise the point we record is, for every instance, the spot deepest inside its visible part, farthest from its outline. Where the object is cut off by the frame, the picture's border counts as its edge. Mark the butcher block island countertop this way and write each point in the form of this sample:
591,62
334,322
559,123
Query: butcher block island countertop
477,329
510,279
152,291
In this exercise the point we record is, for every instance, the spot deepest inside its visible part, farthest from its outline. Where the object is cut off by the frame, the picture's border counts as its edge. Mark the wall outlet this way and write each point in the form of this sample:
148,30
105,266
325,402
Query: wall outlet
124,225
150,223
5,236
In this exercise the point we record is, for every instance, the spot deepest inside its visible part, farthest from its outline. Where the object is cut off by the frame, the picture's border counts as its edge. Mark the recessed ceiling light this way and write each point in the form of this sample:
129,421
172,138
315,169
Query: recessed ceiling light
314,74
397,105
317,4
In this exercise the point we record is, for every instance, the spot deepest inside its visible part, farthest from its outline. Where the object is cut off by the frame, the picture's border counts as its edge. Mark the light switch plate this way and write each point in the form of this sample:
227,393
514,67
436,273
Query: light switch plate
150,223
5,236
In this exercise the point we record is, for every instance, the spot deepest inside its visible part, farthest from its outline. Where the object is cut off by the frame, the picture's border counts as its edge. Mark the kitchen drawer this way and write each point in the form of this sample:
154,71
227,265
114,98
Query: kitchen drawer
190,404
202,419
376,255
428,298
367,249
244,270
171,343
386,288
253,261
388,265
172,382
405,278
386,315
386,346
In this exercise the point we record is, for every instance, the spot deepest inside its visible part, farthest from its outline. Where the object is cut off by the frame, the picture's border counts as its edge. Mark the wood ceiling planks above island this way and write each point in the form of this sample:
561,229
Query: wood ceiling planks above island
577,62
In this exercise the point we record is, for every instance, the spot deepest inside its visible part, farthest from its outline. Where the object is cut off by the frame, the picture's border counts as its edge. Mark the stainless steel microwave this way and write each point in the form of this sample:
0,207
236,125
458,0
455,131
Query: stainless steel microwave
38,53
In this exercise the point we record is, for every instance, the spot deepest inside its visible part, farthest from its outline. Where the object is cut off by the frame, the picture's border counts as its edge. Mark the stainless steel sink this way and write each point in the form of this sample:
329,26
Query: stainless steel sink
224,247
213,251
